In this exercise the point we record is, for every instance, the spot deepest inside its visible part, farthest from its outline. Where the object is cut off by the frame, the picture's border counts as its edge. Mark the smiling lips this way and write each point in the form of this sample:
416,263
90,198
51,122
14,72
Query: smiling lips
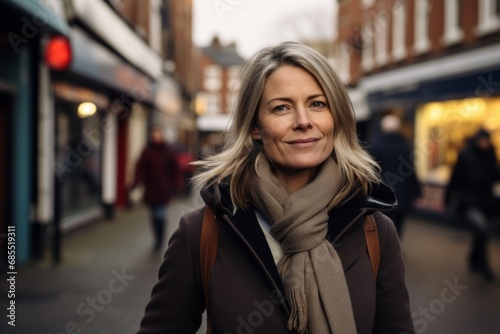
306,142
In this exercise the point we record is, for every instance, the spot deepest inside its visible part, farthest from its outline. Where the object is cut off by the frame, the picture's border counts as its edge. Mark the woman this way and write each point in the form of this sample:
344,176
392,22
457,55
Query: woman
290,192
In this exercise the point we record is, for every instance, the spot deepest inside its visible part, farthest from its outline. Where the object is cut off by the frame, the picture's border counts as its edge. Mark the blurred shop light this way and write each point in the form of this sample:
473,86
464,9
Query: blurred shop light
436,111
200,104
453,111
58,54
473,108
492,122
86,109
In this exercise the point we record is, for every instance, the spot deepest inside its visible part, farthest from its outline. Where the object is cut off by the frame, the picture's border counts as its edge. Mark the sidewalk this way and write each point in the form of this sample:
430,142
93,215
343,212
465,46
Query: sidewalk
108,269
445,297
103,282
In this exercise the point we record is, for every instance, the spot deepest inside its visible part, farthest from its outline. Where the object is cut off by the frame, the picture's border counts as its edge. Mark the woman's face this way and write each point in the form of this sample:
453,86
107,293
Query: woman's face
295,122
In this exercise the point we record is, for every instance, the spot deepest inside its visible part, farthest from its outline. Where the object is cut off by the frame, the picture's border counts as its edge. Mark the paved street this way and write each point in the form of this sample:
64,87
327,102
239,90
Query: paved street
108,270
445,297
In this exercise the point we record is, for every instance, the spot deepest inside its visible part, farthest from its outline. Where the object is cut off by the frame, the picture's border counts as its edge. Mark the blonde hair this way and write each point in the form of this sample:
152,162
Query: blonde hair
236,163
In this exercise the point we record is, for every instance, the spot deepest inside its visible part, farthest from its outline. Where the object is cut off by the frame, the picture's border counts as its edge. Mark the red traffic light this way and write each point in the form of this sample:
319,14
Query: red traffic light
58,53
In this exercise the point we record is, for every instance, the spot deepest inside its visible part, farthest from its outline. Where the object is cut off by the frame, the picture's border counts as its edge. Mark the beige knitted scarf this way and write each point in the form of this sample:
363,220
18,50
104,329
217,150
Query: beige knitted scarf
311,270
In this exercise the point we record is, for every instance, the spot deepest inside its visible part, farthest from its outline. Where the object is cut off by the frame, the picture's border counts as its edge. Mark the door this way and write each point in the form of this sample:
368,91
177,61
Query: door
5,162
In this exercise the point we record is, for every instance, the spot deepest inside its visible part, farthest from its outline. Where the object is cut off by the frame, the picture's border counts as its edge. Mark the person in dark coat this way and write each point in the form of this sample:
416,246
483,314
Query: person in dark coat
394,155
157,171
470,191
290,194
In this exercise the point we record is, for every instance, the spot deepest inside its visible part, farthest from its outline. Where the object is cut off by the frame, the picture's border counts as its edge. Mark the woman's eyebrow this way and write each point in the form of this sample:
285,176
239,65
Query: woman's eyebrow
287,99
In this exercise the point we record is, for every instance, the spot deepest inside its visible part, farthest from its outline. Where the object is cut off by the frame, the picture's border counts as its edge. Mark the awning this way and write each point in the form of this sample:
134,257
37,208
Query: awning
94,61
117,34
47,14
213,123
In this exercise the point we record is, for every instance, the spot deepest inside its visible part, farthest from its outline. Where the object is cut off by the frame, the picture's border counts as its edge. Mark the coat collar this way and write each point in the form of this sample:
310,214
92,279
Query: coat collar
381,198
341,220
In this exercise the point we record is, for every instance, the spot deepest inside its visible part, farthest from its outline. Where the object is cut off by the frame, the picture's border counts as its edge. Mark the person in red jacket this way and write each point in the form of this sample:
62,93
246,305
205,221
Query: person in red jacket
157,171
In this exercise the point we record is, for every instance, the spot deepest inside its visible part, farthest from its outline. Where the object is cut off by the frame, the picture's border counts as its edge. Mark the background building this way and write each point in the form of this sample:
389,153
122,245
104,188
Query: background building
81,82
180,62
24,30
436,64
219,83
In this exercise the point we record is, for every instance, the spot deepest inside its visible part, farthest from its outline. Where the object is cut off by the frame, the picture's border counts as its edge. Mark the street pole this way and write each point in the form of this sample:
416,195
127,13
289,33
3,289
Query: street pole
56,233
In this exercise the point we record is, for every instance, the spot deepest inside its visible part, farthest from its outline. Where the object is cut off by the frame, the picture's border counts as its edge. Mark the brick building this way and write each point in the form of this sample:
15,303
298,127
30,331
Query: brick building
181,57
219,82
81,81
435,64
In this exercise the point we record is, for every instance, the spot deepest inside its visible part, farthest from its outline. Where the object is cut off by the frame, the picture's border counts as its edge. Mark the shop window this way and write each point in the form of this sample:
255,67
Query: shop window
489,17
78,166
399,31
453,32
381,35
367,52
155,28
344,65
442,128
422,11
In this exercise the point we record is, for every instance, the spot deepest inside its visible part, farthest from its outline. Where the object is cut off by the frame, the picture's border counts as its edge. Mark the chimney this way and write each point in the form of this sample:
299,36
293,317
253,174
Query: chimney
216,42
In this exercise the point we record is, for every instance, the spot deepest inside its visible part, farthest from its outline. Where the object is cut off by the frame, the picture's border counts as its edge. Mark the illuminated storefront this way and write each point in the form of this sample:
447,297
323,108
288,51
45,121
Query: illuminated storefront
80,116
441,130
441,104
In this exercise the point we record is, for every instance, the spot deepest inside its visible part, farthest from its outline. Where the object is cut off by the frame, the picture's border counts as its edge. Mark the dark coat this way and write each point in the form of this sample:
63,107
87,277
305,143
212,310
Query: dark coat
472,178
157,170
246,289
394,155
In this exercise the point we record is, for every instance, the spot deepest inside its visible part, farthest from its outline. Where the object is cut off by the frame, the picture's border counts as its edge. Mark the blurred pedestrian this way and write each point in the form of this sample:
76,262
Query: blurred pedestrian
290,194
394,155
157,171
470,195
186,170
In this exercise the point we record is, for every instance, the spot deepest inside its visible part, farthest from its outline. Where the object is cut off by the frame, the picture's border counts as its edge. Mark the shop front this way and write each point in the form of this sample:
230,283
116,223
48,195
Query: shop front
80,116
95,101
441,130
24,25
440,116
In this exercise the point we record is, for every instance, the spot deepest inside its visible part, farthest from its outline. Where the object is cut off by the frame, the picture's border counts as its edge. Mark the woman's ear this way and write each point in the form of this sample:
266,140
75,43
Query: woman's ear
256,133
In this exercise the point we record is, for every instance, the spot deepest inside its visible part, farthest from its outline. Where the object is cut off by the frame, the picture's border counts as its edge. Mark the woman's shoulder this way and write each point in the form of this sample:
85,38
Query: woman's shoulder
385,227
192,220
189,228
387,233
194,215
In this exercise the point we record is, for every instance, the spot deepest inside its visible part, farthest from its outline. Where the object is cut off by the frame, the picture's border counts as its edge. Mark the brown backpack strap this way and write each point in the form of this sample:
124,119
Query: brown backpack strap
372,242
208,252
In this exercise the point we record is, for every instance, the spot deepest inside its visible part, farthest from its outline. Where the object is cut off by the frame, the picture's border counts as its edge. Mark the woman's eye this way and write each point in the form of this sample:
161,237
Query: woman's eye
280,108
318,104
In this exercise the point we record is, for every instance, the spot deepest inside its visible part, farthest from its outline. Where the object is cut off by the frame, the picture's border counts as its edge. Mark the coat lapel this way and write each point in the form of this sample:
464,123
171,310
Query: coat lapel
342,222
247,226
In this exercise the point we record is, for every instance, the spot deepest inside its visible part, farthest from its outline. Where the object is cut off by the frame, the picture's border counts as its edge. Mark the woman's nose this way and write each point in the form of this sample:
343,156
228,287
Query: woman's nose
302,120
